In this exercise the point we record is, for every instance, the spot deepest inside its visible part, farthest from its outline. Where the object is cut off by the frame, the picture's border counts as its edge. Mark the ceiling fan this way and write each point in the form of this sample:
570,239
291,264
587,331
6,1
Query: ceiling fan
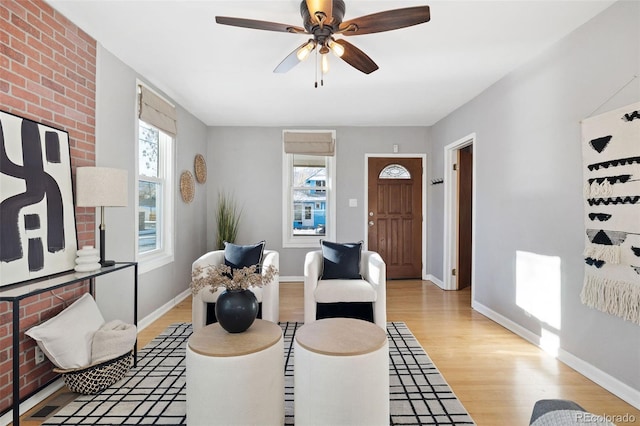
322,19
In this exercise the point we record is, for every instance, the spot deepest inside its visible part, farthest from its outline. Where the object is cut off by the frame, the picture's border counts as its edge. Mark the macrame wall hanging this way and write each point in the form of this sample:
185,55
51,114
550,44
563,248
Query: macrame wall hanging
611,157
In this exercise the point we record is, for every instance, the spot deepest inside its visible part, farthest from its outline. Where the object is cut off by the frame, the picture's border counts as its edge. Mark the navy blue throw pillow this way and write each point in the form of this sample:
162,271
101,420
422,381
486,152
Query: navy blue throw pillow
341,261
239,257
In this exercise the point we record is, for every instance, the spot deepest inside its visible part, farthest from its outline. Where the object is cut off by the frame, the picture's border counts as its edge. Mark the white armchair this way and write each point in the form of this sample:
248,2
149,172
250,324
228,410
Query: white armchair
268,296
371,289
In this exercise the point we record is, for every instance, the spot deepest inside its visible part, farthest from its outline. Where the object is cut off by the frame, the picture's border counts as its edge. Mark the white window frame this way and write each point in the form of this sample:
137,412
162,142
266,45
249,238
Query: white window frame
307,241
164,254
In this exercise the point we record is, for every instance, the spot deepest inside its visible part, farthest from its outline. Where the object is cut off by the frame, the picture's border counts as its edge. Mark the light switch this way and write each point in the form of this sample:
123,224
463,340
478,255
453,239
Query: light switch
353,202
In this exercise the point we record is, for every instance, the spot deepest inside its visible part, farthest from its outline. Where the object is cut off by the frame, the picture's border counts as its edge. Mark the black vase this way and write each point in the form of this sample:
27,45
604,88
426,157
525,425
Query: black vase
236,310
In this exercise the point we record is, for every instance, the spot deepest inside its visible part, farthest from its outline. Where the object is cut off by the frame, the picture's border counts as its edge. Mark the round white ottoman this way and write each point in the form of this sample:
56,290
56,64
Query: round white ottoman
341,373
236,378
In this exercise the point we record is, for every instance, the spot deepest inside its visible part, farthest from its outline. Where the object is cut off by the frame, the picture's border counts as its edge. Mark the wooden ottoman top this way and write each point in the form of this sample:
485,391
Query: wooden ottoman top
213,340
341,337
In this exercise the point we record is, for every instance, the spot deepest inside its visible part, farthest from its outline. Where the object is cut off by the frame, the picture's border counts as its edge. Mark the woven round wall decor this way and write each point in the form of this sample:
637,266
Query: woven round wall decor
200,167
187,186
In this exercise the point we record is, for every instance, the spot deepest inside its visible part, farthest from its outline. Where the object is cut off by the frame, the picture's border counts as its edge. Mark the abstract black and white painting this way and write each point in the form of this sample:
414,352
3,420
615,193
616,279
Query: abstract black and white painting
37,217
611,156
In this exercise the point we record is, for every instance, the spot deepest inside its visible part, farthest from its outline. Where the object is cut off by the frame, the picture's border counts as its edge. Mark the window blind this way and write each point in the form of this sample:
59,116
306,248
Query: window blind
157,112
309,143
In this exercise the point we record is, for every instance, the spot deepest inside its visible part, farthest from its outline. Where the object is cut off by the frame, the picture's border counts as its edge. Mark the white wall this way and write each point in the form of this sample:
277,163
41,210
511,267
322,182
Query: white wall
116,147
529,180
248,162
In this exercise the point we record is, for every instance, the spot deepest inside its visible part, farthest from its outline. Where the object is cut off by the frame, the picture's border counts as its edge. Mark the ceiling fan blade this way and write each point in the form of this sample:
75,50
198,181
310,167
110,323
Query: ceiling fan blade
386,21
291,60
258,25
356,57
322,6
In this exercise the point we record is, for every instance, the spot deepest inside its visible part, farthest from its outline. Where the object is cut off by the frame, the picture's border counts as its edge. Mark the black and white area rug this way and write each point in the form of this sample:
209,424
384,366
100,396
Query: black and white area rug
154,392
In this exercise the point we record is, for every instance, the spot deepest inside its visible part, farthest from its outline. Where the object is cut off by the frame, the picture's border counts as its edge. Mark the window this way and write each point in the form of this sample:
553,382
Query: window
308,180
395,171
309,220
155,189
151,144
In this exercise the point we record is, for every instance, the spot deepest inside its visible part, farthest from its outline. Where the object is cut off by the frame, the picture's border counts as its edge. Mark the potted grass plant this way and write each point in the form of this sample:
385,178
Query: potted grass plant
227,219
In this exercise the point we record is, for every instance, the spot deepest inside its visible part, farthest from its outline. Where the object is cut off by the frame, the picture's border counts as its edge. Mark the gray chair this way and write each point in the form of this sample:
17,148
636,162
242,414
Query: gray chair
562,412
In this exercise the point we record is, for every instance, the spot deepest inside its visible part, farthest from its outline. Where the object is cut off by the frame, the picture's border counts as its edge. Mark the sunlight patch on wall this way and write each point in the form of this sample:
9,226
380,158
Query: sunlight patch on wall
550,342
538,285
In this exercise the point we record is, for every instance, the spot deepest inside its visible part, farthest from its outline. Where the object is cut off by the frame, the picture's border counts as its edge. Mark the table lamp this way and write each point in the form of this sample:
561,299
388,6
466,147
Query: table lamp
101,187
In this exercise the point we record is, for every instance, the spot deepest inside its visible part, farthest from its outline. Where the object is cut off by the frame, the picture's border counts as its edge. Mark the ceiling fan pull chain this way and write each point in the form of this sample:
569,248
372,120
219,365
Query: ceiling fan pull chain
316,84
321,71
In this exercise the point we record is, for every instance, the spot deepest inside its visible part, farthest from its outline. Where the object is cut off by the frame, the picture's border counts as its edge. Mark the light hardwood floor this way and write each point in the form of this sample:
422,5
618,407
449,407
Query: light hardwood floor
496,375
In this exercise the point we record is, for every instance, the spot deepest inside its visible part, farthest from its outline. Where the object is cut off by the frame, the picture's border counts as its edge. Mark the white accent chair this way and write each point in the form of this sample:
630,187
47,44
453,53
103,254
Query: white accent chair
371,289
268,296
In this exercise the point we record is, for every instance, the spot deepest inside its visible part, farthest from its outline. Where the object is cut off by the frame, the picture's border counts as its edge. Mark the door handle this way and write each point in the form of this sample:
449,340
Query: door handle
370,223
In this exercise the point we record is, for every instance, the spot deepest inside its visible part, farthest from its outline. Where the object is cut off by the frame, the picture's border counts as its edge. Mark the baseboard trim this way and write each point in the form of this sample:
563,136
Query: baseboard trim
435,280
507,323
428,277
34,400
47,391
613,385
606,381
146,321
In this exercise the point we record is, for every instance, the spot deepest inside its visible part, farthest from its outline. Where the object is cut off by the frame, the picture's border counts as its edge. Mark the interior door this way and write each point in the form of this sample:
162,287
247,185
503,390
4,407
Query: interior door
395,214
465,209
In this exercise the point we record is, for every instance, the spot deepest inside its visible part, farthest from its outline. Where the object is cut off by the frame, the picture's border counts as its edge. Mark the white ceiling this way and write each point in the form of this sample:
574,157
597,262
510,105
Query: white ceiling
223,75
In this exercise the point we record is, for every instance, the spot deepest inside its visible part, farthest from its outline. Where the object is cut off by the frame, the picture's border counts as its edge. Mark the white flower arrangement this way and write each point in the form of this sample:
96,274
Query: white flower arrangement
223,276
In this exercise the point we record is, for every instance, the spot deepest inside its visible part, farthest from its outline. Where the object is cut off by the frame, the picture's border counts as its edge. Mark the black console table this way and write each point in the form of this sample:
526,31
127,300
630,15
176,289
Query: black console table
17,292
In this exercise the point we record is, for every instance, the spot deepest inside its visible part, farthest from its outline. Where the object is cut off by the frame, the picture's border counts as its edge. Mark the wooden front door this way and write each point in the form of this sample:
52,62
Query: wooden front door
395,214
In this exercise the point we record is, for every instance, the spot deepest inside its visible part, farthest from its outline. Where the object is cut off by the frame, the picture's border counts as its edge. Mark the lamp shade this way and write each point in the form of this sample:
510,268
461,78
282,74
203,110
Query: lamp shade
101,187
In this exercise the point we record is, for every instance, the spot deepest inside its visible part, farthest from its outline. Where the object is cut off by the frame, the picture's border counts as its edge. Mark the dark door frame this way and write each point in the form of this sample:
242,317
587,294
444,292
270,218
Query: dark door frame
450,248
365,208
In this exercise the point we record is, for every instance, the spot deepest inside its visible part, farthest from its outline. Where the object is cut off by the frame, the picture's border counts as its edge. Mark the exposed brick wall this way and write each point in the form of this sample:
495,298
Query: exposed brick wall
47,74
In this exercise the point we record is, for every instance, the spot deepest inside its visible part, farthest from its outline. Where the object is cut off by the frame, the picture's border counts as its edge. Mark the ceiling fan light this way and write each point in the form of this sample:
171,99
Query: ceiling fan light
304,51
336,48
325,63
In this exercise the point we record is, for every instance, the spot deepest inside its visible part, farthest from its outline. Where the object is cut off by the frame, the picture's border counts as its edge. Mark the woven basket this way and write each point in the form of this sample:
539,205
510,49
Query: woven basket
96,378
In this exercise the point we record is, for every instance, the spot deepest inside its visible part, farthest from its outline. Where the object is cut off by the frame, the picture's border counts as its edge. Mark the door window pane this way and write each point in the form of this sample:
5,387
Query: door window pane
395,171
